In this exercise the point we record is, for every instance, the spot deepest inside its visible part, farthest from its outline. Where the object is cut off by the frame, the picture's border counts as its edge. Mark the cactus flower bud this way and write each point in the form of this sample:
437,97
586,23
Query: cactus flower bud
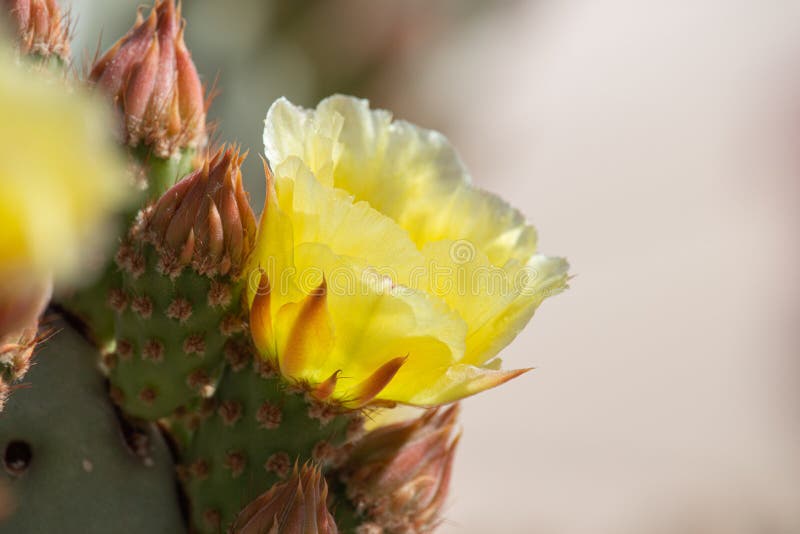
205,219
297,505
152,79
398,475
41,28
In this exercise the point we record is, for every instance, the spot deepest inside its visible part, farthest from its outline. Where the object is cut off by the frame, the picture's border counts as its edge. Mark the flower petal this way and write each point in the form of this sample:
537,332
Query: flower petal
304,334
261,319
458,382
375,321
351,229
408,173
495,302
273,252
547,276
293,131
369,389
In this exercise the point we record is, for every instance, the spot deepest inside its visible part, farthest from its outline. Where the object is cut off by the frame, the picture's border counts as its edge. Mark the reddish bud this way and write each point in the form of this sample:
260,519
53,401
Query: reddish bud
151,76
203,221
398,475
297,505
41,28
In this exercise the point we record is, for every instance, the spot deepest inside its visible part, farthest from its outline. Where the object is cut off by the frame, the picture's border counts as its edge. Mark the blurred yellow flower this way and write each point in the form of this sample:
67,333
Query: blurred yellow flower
60,178
380,273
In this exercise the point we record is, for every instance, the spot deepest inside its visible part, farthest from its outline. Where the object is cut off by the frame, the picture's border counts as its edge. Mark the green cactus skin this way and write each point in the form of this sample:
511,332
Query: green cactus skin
163,173
171,335
250,442
82,477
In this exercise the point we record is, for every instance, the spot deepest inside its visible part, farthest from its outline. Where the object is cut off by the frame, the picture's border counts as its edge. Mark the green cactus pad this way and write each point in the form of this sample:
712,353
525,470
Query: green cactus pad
251,441
68,466
171,335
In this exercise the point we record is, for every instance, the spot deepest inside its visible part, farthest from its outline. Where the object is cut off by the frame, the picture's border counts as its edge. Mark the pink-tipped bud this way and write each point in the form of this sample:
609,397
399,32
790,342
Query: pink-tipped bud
41,28
151,76
297,505
398,475
205,219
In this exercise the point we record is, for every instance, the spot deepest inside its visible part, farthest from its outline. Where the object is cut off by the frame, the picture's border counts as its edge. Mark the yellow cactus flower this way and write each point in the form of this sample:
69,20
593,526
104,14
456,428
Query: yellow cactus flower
380,274
60,178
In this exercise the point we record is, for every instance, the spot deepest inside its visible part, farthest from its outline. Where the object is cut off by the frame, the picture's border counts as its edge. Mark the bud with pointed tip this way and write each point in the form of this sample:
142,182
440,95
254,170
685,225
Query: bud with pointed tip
150,74
204,220
297,505
398,475
41,28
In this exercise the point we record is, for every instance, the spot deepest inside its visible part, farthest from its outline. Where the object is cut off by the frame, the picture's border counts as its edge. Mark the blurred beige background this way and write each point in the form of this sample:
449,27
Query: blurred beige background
653,143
